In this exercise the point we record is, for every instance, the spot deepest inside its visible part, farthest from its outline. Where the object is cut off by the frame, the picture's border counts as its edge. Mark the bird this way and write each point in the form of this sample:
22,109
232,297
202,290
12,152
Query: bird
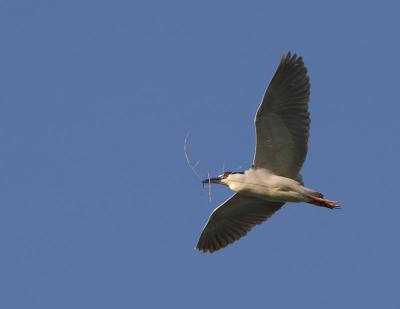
282,124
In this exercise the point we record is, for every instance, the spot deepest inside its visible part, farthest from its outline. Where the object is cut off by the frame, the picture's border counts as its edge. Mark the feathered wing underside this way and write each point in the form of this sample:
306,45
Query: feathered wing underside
233,219
283,121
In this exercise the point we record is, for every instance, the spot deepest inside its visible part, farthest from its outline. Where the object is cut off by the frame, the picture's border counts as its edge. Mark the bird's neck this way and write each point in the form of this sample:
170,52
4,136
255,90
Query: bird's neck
236,182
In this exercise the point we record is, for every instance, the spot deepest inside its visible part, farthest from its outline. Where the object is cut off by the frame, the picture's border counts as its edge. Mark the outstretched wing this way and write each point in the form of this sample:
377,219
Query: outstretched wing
283,121
233,219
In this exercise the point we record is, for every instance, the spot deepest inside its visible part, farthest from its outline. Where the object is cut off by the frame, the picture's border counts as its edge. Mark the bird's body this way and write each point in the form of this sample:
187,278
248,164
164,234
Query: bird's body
263,184
282,130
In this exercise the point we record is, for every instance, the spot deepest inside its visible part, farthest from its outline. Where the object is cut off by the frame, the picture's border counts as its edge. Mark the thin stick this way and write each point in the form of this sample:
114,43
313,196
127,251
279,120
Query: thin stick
189,163
193,166
209,187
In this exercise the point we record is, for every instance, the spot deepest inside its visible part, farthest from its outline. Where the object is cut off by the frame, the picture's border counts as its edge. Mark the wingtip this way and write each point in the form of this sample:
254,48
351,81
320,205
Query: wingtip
202,250
291,57
209,246
205,250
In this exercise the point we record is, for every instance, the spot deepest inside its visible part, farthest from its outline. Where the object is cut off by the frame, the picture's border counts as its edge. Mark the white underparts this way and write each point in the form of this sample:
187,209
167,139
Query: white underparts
263,184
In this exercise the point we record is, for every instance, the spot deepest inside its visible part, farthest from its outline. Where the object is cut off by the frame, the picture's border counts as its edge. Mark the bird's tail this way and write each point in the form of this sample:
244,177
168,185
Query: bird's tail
316,194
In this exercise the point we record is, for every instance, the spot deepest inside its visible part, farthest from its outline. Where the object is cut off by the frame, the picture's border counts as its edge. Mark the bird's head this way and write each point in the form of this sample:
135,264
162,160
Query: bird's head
221,179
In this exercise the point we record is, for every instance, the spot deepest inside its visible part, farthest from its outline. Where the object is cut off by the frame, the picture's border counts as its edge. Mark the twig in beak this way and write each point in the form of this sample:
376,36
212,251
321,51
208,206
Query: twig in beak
189,163
209,187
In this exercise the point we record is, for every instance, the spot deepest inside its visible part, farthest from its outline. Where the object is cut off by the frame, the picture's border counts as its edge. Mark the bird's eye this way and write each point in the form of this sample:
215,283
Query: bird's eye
226,174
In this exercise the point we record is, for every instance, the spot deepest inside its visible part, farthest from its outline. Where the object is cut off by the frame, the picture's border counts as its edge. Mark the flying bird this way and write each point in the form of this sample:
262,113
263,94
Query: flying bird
282,129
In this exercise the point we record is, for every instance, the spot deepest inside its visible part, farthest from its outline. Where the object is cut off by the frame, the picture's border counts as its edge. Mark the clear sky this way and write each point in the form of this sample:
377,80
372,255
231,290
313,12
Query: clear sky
98,208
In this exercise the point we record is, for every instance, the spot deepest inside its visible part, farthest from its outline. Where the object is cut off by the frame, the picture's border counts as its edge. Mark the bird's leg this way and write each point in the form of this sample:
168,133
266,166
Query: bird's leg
323,202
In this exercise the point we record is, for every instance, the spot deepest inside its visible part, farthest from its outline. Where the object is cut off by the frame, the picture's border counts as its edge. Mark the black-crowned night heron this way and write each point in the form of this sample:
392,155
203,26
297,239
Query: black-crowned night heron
282,129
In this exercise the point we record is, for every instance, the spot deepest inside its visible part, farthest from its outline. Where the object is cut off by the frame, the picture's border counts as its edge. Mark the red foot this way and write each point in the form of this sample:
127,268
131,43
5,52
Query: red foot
323,202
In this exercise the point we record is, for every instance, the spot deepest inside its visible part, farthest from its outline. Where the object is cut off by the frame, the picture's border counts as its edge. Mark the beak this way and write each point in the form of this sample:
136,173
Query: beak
211,180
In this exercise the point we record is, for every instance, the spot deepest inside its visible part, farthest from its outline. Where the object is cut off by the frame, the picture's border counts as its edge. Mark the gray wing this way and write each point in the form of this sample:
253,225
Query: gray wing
283,121
233,219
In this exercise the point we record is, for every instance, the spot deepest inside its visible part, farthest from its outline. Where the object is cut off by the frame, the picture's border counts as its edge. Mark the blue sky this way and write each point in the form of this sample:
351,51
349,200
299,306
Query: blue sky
98,208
